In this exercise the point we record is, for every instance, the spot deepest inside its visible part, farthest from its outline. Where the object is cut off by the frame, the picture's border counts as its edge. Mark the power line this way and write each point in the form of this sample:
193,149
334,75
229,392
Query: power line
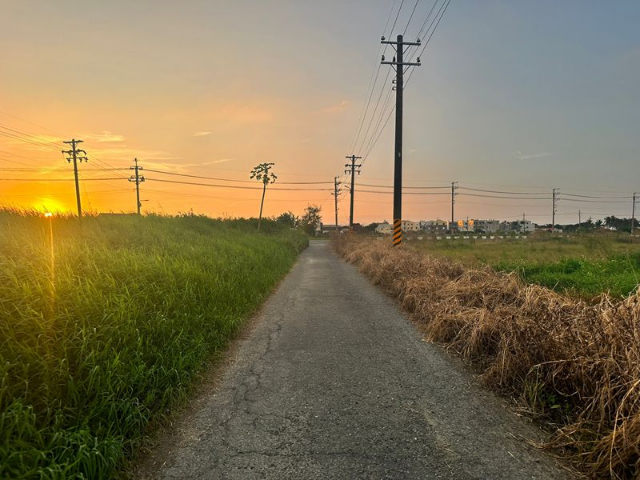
371,87
497,191
410,18
421,31
62,194
396,20
237,186
412,187
27,121
375,136
47,180
382,90
404,193
503,196
164,172
437,19
580,200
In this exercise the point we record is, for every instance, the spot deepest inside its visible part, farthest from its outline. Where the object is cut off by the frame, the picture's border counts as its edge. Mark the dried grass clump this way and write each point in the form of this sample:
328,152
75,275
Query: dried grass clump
573,363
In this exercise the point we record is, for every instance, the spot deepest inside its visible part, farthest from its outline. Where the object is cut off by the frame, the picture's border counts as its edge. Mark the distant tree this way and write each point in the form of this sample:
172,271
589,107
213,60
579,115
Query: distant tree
311,219
621,224
288,219
371,227
263,174
598,223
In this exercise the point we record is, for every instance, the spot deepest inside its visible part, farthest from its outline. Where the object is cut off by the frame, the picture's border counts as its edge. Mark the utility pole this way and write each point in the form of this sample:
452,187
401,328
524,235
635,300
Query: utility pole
453,202
336,183
137,179
579,219
633,212
398,64
524,223
352,169
553,215
76,155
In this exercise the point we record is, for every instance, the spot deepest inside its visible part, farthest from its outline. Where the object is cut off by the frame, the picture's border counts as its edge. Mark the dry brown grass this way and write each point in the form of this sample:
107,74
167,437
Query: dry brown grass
574,364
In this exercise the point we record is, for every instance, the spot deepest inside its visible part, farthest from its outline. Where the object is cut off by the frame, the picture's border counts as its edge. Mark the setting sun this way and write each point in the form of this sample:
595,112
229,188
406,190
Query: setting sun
48,206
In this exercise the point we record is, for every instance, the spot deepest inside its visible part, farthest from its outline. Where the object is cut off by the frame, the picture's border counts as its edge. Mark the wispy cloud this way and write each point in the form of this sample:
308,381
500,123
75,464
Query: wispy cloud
336,108
222,160
181,167
532,156
105,137
201,134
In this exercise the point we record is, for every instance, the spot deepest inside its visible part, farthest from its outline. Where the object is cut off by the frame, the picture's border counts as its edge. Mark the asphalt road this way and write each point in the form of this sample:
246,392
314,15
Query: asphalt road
335,382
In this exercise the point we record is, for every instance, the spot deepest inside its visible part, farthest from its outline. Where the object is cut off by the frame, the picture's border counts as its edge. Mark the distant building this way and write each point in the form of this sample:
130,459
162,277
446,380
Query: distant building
486,226
434,226
527,226
330,227
384,228
465,225
409,226
519,226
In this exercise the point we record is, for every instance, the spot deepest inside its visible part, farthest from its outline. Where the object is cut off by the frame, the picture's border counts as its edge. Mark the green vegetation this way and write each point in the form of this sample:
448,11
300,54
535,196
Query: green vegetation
105,323
585,265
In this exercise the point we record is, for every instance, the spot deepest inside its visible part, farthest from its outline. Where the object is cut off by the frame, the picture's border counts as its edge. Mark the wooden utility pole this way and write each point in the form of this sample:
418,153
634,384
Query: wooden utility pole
352,169
76,155
137,179
399,65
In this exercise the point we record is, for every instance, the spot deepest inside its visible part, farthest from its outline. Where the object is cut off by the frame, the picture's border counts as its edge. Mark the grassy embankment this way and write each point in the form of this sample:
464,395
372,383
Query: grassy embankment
585,265
104,324
574,363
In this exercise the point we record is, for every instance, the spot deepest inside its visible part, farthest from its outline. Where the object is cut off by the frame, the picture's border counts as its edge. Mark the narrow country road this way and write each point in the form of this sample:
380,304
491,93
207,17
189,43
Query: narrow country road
334,382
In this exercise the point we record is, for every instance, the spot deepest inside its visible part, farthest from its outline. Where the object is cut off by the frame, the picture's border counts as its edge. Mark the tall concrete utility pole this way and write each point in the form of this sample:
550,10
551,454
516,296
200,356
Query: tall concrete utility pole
352,169
633,212
336,183
76,155
453,202
398,64
137,179
579,219
553,215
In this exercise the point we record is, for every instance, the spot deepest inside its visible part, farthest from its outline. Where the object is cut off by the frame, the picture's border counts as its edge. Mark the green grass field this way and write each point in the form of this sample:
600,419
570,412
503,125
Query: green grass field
585,265
105,323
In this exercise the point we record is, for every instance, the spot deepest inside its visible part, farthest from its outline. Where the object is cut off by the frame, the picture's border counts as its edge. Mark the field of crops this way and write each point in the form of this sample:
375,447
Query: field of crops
104,324
585,265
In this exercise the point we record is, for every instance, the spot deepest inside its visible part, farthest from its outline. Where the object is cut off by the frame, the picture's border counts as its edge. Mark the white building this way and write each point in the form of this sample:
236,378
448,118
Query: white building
409,226
434,226
384,228
527,226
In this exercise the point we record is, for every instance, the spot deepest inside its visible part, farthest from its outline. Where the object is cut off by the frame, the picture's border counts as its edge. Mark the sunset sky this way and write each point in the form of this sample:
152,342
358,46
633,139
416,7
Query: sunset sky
512,95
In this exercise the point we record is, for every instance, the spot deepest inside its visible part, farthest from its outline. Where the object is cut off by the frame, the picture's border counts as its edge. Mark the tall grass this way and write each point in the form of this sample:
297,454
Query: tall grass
574,363
105,322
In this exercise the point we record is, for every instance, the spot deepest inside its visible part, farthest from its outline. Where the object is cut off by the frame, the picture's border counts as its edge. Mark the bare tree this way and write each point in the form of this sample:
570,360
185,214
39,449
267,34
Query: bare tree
263,174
